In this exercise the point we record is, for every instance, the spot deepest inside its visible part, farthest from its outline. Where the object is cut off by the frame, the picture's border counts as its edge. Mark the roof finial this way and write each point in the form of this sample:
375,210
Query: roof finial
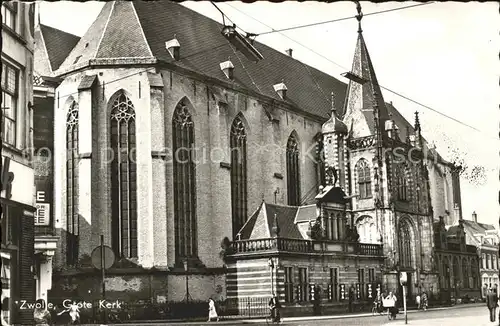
334,111
417,122
359,16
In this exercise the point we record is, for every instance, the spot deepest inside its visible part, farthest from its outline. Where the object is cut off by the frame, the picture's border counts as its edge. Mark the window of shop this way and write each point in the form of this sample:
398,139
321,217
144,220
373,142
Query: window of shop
288,284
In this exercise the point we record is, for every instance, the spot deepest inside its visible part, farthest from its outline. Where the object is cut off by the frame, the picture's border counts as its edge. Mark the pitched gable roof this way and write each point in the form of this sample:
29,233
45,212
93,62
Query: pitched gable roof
260,224
58,44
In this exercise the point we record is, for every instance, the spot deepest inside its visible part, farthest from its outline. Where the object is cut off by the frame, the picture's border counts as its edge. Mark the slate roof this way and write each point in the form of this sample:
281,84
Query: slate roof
141,28
359,107
260,224
58,44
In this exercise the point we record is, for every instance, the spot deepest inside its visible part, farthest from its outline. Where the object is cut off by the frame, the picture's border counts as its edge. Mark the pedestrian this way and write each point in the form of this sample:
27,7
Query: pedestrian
274,306
393,310
74,313
41,316
425,301
212,312
417,299
351,298
492,303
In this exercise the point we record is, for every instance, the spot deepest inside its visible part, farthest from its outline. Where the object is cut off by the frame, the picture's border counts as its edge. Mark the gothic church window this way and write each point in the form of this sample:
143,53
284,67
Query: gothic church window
402,182
364,179
405,244
72,217
292,171
123,178
238,147
320,161
184,184
367,230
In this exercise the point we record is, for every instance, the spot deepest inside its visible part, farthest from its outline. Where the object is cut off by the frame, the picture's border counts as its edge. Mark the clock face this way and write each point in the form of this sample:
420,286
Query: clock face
32,18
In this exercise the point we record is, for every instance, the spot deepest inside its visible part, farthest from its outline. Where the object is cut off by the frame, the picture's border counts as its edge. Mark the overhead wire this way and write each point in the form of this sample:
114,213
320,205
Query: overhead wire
341,19
347,69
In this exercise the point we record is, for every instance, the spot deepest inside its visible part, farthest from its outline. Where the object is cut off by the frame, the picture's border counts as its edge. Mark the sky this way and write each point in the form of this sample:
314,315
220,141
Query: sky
442,55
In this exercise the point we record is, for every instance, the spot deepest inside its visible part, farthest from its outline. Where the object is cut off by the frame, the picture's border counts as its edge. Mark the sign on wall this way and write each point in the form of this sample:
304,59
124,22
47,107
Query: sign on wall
43,201
42,214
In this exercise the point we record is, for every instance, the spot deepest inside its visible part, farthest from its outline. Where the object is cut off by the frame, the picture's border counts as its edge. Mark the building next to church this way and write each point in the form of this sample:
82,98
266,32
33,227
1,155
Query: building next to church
484,237
193,136
51,47
17,195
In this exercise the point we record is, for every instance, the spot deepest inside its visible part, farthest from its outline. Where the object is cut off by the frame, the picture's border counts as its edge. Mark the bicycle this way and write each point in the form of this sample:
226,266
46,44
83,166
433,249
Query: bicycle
270,320
377,309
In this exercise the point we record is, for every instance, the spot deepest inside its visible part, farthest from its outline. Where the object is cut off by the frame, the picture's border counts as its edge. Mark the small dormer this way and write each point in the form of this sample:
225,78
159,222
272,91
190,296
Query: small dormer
173,46
228,68
281,89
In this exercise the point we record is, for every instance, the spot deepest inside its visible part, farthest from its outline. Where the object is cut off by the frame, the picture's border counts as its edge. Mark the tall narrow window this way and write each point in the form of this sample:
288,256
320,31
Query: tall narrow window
10,91
184,184
9,13
288,284
465,273
364,179
292,171
124,178
72,217
402,183
320,161
238,143
361,281
302,286
333,286
405,245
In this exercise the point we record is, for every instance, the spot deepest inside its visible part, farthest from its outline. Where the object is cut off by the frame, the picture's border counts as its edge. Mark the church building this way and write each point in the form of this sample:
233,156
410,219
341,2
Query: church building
176,136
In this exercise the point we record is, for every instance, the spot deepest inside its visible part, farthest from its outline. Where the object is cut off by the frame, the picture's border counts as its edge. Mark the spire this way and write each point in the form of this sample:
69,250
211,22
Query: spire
359,16
334,111
417,122
363,84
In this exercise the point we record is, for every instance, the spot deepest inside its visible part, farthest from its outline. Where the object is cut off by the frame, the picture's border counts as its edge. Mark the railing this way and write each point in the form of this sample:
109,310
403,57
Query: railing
363,142
298,245
370,249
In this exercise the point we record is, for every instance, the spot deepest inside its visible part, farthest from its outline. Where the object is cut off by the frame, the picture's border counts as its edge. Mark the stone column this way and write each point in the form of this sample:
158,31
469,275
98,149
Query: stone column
45,277
335,230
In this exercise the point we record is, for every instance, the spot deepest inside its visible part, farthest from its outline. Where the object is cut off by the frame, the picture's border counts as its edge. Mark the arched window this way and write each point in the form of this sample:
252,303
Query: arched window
367,230
184,184
292,171
320,160
123,178
405,244
402,182
364,179
465,273
238,147
72,217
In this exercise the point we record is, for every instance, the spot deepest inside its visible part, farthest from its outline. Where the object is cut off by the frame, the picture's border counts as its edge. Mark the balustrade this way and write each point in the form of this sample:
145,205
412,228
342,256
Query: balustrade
298,245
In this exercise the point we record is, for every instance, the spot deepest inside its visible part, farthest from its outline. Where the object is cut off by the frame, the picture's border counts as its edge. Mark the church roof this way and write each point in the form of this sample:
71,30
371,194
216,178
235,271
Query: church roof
260,224
58,44
139,29
359,103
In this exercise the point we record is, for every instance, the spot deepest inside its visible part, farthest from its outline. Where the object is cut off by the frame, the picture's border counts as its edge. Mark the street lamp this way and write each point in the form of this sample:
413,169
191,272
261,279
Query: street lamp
270,262
185,262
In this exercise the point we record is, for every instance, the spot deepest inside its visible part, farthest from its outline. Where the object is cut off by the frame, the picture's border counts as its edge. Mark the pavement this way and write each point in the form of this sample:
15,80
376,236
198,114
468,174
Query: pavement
468,314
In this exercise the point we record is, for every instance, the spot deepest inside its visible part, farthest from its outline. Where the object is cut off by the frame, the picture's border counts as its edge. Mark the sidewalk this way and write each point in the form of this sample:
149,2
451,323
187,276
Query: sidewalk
449,321
312,318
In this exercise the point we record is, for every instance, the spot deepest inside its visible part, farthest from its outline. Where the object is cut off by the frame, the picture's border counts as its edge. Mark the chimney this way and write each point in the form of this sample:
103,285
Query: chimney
281,89
474,217
173,46
228,68
289,52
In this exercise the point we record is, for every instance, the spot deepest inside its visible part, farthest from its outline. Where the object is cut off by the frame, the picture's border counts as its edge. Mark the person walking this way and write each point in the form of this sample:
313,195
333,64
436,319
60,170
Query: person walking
274,306
212,312
41,315
351,299
492,303
393,310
